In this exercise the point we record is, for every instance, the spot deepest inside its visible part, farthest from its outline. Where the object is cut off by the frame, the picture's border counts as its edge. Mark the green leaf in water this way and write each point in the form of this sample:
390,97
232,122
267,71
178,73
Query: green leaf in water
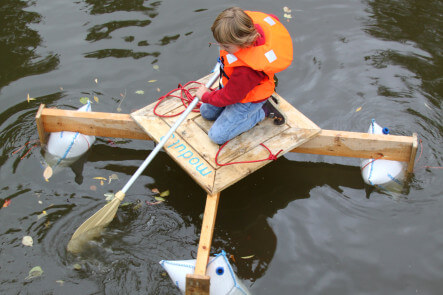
84,100
165,193
36,271
160,199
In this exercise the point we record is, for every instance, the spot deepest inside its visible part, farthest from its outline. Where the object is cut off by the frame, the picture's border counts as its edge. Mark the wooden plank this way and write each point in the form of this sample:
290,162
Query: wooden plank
204,245
228,175
413,153
184,154
196,137
42,134
359,145
328,142
197,284
92,123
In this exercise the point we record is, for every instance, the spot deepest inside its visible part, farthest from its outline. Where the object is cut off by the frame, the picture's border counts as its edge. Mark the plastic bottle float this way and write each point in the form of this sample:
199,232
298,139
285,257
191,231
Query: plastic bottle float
68,146
384,174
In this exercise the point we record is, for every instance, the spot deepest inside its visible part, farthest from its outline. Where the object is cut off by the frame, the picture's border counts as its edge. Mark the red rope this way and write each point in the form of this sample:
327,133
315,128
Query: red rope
185,96
270,157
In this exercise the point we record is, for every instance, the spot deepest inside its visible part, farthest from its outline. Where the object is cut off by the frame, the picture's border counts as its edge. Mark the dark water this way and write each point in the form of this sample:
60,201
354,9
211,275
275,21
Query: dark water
311,223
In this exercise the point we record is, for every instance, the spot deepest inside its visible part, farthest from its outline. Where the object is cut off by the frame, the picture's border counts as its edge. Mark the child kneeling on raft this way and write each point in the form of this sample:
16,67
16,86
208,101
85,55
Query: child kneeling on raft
253,47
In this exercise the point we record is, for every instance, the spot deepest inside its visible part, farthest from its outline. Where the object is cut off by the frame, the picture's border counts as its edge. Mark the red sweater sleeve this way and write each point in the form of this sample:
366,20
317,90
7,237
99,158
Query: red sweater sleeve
242,80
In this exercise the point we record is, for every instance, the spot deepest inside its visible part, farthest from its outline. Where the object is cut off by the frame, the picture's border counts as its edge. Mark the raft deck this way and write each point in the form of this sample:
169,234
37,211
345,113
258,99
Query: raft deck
194,151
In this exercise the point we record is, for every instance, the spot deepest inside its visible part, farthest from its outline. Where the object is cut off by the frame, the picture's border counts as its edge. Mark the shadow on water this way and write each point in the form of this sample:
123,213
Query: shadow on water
18,43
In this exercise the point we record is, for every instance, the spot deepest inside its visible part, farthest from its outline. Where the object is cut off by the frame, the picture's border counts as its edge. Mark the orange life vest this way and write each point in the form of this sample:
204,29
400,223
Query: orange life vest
272,57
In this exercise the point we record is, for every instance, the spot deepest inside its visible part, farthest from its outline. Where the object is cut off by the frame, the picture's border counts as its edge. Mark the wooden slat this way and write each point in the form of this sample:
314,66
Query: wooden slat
92,123
183,153
359,145
42,134
204,245
413,153
328,142
197,284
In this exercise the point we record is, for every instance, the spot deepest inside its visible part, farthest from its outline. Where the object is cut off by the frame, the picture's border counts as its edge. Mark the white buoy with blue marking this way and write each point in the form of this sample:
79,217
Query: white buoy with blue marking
68,146
384,174
223,280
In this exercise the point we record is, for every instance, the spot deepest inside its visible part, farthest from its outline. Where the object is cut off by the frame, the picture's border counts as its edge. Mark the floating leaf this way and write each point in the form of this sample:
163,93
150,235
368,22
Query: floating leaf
36,271
42,214
100,178
96,99
156,67
137,206
152,81
84,100
109,196
160,199
40,202
112,177
165,193
119,109
140,92
155,191
28,98
358,109
77,266
60,282
47,224
286,9
287,15
158,90
93,188
248,257
125,204
96,80
232,257
47,173
27,241
6,203
101,182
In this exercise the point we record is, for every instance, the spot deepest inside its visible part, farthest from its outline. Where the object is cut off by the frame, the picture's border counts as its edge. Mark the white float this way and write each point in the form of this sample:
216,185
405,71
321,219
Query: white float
67,145
384,174
223,280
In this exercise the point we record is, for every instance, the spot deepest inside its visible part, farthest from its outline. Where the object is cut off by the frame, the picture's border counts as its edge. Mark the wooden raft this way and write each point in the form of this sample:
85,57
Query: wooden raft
194,151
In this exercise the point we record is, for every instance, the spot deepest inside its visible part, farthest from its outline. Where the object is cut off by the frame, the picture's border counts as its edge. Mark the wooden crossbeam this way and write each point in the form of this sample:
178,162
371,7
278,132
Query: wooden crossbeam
328,142
198,282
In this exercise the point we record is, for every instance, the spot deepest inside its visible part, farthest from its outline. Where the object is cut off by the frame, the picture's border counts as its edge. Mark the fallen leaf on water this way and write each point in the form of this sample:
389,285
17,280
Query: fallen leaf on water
358,109
109,196
47,224
29,98
100,178
84,100
155,203
160,199
286,9
112,177
137,206
96,80
47,173
77,266
119,109
158,90
42,214
155,191
152,81
27,241
96,99
6,203
60,282
139,92
101,182
93,188
36,271
125,204
165,193
232,257
156,67
248,257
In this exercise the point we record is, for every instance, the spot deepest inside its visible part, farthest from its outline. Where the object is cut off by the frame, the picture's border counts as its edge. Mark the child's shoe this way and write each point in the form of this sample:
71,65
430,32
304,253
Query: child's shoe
273,111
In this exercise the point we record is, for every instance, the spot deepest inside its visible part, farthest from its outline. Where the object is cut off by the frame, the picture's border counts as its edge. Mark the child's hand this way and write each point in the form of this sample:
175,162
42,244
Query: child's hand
201,90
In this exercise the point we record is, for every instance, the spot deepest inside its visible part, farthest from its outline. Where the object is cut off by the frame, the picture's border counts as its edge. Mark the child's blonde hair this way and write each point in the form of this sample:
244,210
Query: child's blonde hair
234,26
